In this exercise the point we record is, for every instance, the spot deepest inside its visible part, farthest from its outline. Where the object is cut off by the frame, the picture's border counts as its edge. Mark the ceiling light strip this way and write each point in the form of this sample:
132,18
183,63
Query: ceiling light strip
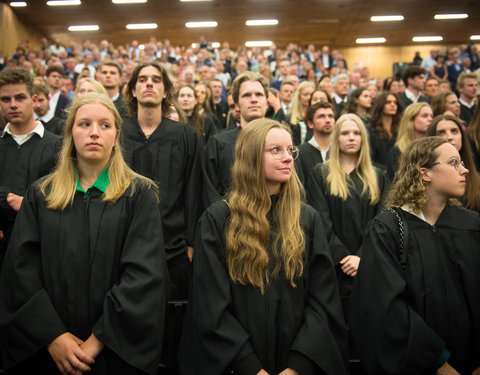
83,28
201,24
258,43
54,3
141,26
427,38
450,16
128,1
270,22
18,4
370,40
386,18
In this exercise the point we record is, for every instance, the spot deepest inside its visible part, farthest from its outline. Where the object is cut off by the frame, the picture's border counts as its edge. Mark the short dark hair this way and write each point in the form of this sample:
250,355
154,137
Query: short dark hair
314,108
132,103
114,64
412,72
55,68
39,89
17,76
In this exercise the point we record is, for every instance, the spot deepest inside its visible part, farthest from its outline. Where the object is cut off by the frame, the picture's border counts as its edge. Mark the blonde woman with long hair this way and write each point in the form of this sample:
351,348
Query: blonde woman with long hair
413,125
298,112
346,190
415,306
264,300
86,245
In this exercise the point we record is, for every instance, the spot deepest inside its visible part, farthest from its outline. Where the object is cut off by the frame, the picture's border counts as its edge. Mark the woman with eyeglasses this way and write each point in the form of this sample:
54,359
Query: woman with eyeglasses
451,128
415,306
263,300
346,190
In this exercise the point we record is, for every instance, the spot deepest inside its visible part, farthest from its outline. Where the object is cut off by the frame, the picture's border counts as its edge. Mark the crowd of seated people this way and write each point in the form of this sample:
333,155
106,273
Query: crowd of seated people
184,119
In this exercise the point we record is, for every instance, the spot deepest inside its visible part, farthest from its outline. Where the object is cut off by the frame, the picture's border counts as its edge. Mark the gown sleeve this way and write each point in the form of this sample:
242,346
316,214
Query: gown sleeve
322,337
390,336
315,187
132,322
28,319
212,181
213,339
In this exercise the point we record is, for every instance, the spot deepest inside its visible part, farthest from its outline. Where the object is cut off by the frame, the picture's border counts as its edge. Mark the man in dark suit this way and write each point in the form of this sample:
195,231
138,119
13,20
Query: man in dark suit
58,102
414,79
110,75
467,87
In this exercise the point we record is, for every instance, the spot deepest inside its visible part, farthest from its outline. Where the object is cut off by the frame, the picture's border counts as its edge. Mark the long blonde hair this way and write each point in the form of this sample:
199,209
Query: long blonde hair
296,109
248,230
339,181
59,187
406,126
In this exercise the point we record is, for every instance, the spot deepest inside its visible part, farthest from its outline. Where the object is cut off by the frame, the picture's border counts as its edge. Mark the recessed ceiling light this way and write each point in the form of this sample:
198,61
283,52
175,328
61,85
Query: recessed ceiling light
386,18
427,38
475,37
18,4
141,46
54,3
195,1
128,1
450,16
141,26
258,43
261,22
216,45
370,40
83,28
201,24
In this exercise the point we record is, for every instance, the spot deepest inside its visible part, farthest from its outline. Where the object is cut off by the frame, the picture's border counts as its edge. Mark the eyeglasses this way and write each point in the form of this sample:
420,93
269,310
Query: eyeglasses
277,152
454,162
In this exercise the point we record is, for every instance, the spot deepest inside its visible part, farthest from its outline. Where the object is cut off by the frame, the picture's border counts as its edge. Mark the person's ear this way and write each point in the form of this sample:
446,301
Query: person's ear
426,174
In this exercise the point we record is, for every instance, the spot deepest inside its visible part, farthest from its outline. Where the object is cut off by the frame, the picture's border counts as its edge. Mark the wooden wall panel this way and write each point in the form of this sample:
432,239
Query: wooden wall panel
380,59
14,32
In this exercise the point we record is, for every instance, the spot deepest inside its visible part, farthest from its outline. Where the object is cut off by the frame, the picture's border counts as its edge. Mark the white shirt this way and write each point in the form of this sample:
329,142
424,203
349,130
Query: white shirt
21,139
52,104
314,143
45,118
411,96
468,105
409,209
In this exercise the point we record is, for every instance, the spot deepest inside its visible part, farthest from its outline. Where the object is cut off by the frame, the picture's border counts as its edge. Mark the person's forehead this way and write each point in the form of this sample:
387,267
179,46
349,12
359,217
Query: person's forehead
251,86
149,71
13,89
324,111
109,69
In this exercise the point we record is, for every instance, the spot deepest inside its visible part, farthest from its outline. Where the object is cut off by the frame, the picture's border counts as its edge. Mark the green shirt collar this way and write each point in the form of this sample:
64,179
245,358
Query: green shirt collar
101,183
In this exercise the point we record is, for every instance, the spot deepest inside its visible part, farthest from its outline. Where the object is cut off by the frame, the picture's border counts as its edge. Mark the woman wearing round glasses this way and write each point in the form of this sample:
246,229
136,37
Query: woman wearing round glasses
415,306
346,190
268,305
450,128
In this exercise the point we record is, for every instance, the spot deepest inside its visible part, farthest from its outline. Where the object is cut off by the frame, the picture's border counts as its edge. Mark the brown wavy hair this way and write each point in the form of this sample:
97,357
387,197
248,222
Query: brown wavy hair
408,186
248,230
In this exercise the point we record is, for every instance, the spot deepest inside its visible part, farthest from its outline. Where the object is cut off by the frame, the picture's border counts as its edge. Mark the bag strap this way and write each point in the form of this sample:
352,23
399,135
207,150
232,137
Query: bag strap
403,231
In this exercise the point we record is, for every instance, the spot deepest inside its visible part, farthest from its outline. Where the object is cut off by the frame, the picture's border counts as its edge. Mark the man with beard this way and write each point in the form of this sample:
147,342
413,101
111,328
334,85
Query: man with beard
321,119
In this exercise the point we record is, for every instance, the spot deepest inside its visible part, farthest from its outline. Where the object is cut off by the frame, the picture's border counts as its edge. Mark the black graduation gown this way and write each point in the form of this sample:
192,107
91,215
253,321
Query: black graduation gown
345,220
120,106
379,148
402,320
219,158
393,158
93,267
56,126
20,166
308,158
234,326
170,157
